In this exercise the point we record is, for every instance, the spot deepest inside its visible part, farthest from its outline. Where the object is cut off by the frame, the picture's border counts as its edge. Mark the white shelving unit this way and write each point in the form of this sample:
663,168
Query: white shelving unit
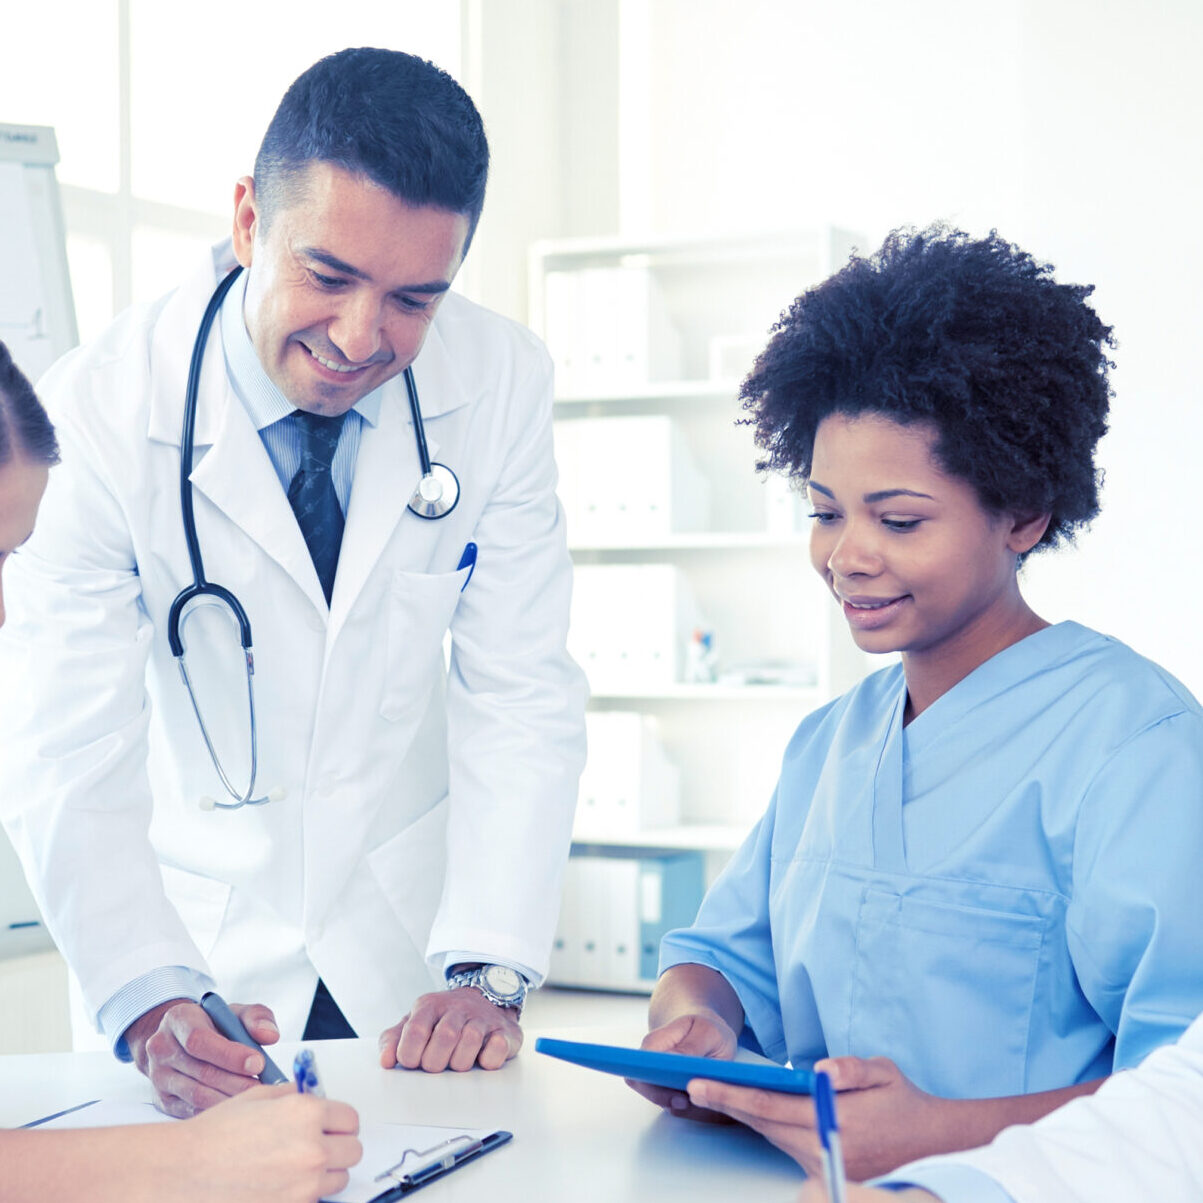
748,569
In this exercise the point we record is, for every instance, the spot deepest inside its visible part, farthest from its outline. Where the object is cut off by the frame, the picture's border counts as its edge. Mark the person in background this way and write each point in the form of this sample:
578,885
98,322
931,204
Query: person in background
975,893
270,1143
393,868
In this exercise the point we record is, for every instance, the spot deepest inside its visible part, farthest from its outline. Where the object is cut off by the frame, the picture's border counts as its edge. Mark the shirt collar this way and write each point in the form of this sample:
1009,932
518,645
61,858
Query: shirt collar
262,399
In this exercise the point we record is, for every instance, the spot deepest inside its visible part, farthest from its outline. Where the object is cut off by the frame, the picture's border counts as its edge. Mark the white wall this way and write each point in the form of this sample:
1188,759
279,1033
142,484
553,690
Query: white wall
1073,126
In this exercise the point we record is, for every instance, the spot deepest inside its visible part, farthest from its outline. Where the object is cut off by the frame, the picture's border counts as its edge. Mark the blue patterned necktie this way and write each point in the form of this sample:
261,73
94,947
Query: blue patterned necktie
312,497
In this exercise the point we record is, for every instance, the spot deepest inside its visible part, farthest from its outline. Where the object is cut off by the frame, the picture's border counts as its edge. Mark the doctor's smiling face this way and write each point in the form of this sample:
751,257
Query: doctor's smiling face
344,281
917,563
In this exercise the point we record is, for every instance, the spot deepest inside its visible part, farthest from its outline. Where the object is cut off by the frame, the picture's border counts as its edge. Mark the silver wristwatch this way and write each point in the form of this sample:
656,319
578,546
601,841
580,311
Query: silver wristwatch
501,985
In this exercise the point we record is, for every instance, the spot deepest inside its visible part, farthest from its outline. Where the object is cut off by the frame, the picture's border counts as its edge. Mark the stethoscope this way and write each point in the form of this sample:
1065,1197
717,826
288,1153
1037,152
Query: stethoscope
435,497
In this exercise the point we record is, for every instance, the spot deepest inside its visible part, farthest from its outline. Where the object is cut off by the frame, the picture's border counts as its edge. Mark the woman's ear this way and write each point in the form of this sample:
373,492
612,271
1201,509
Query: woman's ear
1026,531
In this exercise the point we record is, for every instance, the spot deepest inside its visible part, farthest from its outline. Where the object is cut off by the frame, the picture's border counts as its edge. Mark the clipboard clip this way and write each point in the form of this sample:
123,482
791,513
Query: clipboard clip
434,1162
430,1163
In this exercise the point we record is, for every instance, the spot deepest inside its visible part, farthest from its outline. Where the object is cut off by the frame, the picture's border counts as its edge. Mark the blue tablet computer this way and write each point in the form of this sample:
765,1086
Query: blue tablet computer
675,1070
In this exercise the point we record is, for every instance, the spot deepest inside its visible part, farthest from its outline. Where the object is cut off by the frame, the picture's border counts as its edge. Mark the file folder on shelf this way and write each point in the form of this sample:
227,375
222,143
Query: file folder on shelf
617,908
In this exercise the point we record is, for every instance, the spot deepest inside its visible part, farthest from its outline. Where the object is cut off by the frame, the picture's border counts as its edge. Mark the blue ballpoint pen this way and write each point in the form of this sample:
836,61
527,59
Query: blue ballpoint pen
829,1137
304,1072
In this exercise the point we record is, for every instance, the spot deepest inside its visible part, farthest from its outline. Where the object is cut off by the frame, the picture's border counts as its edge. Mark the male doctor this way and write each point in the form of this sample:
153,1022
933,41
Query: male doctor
410,820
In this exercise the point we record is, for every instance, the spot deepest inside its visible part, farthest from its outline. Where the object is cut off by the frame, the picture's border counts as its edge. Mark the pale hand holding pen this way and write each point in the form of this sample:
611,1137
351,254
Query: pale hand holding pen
268,1143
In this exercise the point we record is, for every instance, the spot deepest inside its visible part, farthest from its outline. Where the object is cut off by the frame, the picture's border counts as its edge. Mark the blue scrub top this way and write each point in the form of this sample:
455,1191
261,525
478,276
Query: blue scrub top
1004,896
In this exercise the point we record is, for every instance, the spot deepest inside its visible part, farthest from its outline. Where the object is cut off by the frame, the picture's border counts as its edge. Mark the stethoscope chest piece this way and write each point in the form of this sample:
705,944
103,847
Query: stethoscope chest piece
437,493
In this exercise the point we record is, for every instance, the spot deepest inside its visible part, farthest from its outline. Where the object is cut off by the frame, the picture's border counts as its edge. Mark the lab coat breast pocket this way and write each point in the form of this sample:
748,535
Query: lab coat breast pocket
946,991
420,606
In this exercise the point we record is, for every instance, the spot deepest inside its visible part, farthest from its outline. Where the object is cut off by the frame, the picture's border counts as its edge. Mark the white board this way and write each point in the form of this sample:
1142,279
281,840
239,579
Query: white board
37,314
37,322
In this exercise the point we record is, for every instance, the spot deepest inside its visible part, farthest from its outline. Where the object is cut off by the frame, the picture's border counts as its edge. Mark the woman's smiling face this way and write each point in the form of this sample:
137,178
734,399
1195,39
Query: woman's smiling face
917,563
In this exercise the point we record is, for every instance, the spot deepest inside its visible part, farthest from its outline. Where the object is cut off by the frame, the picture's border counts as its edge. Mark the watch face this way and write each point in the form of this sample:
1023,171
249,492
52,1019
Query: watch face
503,981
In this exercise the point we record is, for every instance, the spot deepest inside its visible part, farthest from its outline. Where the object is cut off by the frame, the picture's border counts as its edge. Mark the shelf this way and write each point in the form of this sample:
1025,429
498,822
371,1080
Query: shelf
704,838
702,541
809,695
657,392
740,249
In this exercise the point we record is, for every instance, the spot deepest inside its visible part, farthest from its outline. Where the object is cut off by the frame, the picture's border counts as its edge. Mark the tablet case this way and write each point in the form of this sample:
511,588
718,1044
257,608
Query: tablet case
675,1070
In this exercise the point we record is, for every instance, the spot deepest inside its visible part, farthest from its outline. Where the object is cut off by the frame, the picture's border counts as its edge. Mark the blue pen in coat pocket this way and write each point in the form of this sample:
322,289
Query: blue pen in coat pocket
468,561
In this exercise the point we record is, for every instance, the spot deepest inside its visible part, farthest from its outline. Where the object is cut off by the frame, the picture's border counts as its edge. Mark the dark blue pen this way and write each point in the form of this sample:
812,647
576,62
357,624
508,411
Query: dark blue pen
230,1026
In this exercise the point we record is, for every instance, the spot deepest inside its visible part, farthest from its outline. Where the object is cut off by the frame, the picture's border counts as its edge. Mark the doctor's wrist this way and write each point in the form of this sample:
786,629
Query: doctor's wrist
144,1027
501,985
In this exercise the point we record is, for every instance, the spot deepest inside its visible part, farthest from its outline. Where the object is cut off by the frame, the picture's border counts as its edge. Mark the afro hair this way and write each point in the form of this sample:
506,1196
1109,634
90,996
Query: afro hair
971,337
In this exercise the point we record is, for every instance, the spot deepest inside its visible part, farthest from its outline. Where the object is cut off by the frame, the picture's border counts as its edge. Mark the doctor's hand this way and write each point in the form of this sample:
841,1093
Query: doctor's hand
703,1034
452,1029
885,1120
189,1063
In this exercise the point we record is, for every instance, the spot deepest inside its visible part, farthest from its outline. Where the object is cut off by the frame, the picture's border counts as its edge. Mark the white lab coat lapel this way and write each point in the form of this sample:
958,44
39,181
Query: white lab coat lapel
237,476
233,469
387,471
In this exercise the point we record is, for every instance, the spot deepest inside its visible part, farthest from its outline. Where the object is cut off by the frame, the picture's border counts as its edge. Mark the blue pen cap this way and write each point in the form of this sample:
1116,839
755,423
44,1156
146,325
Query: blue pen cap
824,1107
304,1072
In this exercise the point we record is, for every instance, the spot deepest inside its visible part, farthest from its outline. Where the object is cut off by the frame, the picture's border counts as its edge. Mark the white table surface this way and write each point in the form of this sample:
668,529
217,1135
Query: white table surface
578,1135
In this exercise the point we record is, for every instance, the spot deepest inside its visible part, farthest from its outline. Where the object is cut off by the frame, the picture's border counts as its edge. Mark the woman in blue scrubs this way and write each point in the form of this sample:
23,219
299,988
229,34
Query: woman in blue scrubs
267,1143
975,893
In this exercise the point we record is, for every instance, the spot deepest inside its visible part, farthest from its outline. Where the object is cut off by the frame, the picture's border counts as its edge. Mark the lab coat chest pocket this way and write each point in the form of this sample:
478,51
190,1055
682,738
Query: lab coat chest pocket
420,606
946,990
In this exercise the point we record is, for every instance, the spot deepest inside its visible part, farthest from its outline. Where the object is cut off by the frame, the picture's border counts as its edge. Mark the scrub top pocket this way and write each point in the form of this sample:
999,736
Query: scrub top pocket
936,983
420,608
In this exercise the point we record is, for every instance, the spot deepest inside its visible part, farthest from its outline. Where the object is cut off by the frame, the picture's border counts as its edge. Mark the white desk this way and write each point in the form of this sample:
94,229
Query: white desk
578,1135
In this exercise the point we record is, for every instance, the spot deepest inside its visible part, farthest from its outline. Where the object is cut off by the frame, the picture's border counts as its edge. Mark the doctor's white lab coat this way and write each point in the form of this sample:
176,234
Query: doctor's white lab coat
423,810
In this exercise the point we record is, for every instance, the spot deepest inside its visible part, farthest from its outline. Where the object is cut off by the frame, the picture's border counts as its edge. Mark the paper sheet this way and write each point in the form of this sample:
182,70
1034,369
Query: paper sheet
383,1144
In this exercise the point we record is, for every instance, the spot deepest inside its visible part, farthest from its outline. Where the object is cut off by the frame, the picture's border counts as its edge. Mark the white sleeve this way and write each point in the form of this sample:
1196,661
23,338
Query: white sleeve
74,719
1140,1136
515,707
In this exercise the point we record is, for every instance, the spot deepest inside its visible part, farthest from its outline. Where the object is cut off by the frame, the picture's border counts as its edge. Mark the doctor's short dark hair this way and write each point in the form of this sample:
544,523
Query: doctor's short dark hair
971,336
25,428
396,118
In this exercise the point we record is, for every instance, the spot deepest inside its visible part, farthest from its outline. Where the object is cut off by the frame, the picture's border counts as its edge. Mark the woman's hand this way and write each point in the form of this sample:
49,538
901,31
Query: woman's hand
268,1143
704,1034
885,1120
